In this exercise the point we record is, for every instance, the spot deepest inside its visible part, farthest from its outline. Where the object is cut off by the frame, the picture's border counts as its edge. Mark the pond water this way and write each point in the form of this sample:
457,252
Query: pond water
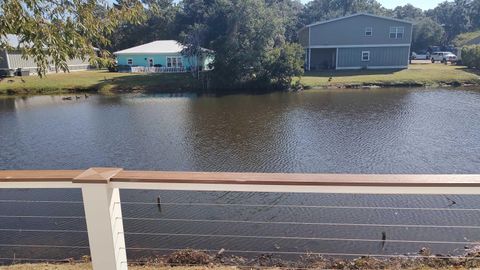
328,131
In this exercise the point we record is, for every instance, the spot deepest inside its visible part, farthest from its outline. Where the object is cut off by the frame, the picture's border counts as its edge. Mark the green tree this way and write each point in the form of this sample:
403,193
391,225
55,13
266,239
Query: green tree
282,63
453,16
53,31
426,32
160,23
408,12
319,10
289,12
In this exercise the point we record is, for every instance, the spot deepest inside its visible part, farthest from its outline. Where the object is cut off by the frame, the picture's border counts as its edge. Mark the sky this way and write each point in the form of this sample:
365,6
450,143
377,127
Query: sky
423,4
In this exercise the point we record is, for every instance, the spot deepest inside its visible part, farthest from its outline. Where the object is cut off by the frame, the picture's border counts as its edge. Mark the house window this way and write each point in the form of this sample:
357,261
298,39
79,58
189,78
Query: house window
174,62
368,31
366,56
397,32
129,61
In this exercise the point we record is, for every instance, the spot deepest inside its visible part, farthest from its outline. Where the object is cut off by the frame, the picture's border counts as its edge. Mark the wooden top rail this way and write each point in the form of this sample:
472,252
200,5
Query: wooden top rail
39,176
298,179
105,175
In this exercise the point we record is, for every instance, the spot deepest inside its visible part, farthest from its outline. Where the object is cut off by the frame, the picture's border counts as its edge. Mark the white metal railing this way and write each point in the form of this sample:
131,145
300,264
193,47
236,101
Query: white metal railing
103,206
140,69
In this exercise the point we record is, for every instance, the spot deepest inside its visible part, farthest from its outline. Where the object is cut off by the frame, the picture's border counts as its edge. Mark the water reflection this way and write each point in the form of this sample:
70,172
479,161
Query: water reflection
343,131
357,131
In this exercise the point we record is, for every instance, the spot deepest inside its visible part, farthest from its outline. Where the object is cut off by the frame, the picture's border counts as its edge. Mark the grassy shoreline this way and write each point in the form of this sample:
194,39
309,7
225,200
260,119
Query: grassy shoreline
97,81
418,75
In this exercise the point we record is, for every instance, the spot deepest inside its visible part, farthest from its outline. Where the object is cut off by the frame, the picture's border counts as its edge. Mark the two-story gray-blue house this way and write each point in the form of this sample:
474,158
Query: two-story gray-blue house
359,41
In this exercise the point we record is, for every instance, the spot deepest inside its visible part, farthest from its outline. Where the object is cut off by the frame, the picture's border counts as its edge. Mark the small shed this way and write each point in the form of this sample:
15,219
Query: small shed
161,56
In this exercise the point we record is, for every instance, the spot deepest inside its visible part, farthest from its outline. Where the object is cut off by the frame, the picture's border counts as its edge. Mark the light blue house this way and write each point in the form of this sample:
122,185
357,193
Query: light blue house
161,56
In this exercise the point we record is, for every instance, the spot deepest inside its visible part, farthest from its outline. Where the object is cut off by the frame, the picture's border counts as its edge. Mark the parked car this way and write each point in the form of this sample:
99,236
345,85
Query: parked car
420,56
443,57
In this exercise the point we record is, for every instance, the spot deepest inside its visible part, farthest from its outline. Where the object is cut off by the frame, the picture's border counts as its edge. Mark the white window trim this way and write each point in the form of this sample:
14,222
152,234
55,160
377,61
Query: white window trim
396,30
367,30
178,59
130,61
368,53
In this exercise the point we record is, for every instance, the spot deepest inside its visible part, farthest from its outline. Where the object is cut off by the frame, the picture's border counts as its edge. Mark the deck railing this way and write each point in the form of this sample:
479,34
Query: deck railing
102,204
141,69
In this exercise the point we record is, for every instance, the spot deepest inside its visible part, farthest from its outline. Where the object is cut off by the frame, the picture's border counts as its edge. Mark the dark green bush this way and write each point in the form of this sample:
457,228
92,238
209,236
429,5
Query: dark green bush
471,56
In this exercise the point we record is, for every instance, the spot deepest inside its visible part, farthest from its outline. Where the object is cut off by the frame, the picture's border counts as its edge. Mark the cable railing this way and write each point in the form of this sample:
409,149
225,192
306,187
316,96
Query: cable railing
107,228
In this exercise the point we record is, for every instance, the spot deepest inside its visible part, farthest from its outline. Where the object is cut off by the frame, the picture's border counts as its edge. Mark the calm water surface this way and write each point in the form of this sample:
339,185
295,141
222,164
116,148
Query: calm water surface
338,131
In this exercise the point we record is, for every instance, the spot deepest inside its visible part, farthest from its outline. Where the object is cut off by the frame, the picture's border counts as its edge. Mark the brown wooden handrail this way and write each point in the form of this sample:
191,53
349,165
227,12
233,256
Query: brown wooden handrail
298,179
104,175
39,175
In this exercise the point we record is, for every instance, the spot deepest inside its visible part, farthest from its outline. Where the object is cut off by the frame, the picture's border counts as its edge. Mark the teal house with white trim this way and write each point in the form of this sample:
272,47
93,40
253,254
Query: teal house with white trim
161,56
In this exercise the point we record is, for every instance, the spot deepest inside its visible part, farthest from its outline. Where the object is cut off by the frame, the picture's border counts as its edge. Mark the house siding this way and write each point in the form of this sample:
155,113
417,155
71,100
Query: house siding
351,31
303,37
160,59
17,61
379,57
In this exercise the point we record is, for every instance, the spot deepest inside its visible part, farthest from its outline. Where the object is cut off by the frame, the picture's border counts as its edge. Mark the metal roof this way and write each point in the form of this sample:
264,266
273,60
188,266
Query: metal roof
158,46
355,15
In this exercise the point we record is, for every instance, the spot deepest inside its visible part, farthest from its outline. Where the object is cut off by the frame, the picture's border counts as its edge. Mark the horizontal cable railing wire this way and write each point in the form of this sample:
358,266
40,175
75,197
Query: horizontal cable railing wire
333,254
235,236
306,223
302,206
303,238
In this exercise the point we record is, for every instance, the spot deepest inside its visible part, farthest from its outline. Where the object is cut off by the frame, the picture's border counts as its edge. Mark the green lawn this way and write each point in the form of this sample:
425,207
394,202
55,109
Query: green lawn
96,81
103,81
416,74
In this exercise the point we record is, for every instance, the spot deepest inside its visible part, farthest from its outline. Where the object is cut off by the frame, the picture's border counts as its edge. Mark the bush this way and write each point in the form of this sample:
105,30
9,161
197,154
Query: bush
471,56
283,63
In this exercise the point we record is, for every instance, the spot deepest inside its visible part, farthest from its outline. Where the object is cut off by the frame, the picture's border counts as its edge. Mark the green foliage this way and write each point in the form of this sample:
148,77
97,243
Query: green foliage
160,23
319,10
454,16
462,39
426,32
471,56
240,32
283,63
51,32
408,12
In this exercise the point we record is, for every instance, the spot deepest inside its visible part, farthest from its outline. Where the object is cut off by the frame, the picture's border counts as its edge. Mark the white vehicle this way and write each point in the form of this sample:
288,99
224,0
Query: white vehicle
443,57
420,56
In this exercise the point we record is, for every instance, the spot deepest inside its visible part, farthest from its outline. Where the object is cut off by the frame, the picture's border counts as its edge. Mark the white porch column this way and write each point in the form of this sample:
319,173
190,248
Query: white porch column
309,57
103,216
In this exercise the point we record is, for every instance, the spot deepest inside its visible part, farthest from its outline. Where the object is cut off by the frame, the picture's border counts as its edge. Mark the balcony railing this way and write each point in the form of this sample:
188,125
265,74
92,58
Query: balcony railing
140,69
103,206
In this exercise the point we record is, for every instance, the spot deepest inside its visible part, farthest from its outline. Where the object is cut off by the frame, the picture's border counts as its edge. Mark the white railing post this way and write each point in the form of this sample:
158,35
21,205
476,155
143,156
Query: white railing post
103,216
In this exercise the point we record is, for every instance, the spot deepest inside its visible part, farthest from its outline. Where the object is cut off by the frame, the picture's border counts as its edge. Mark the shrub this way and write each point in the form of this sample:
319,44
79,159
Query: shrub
283,63
471,56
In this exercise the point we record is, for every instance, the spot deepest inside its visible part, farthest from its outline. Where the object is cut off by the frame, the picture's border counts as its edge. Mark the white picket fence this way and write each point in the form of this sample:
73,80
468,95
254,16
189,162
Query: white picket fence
158,70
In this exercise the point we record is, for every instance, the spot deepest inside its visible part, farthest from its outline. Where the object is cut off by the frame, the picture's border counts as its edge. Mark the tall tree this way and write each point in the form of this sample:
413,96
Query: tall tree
52,31
318,10
453,16
408,12
159,24
243,34
426,32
